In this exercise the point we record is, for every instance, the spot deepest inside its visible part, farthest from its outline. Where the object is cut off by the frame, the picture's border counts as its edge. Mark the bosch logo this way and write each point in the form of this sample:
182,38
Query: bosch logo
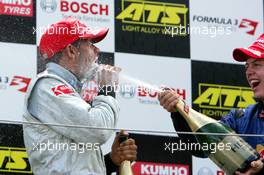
48,6
205,171
145,92
127,91
84,8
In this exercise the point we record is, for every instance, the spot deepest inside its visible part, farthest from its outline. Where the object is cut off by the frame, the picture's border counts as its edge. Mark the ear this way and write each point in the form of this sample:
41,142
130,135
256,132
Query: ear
71,51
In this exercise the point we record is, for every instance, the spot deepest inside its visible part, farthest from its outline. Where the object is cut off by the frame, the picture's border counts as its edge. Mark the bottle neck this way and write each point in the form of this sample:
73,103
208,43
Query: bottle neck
194,119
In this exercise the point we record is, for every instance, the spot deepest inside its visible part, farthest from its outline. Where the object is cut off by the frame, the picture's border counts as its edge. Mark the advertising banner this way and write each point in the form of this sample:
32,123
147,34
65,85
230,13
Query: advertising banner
217,27
152,27
17,71
93,13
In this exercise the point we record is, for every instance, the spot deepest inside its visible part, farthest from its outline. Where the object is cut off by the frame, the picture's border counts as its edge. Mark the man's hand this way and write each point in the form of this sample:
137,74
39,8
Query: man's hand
168,99
123,151
256,167
108,75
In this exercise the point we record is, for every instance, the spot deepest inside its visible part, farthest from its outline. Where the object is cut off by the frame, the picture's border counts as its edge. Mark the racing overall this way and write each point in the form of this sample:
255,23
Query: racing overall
54,98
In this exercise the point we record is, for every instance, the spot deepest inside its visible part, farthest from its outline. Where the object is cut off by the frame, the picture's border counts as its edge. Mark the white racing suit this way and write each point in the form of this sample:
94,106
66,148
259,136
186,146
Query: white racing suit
54,150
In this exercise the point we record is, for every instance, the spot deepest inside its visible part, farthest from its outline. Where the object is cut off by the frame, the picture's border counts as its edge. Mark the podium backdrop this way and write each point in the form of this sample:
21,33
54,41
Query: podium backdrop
183,44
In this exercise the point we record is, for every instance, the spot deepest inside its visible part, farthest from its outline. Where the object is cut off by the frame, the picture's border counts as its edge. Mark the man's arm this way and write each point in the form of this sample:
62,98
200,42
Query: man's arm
70,109
168,100
229,119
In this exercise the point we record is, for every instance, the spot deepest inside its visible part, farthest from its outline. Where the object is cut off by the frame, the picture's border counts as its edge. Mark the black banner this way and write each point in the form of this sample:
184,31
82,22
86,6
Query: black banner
157,154
13,155
152,27
219,87
18,22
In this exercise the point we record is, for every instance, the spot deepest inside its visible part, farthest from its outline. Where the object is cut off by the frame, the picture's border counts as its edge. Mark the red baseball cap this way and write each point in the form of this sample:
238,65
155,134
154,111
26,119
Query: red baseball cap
65,32
256,50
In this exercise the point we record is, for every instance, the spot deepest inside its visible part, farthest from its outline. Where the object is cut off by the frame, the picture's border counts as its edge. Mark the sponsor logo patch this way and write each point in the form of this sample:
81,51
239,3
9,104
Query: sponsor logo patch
62,89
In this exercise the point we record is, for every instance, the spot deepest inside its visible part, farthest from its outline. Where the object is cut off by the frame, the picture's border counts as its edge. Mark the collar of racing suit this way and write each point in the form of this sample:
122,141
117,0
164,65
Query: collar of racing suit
65,74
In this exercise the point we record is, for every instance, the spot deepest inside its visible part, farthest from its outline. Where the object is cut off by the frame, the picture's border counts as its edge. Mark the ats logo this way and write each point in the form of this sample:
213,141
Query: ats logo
146,168
19,82
14,160
16,7
151,16
217,100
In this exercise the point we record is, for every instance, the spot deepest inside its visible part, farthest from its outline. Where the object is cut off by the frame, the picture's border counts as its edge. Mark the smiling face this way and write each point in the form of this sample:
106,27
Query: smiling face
255,76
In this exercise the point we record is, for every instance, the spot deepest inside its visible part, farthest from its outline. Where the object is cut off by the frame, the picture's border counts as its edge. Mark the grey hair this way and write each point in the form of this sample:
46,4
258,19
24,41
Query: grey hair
56,58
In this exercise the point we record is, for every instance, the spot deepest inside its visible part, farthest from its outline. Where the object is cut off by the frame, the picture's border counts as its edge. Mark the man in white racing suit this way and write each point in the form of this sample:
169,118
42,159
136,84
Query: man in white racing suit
54,100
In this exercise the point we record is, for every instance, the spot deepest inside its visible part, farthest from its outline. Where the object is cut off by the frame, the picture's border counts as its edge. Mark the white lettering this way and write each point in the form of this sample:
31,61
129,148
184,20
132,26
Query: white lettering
17,2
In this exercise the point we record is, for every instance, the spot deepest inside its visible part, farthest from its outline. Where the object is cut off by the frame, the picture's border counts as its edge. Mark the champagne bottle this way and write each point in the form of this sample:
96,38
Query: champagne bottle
235,157
125,167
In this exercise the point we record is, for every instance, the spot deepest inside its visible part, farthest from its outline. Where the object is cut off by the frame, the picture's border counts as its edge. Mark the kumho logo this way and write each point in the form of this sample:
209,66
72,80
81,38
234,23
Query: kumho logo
153,13
14,160
223,97
146,168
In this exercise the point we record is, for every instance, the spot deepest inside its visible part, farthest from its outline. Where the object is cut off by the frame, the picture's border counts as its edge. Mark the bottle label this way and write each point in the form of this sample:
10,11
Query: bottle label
235,156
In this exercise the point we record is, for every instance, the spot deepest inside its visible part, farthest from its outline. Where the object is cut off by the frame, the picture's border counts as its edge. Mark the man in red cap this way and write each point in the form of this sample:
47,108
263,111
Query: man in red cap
68,133
244,121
